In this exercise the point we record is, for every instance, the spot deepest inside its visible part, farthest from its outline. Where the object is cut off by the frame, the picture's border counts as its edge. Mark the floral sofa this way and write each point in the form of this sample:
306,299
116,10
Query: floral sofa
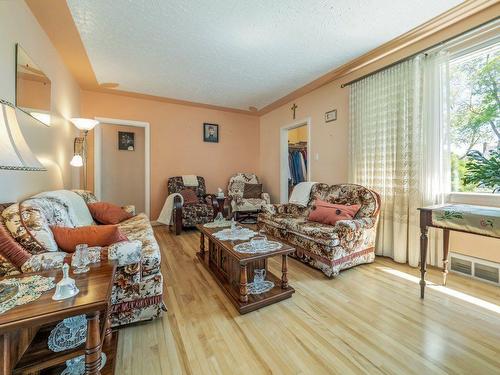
327,247
189,215
137,292
244,206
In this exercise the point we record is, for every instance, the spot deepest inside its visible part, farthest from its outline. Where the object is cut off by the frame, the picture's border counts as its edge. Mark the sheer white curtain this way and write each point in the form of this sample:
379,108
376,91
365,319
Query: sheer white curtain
398,147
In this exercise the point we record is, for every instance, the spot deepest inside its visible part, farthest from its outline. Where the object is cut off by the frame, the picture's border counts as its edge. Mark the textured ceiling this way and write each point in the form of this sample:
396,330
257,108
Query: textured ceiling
235,53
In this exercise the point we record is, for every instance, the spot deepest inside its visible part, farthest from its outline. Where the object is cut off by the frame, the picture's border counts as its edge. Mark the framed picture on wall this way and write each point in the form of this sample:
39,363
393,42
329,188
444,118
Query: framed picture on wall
126,141
210,132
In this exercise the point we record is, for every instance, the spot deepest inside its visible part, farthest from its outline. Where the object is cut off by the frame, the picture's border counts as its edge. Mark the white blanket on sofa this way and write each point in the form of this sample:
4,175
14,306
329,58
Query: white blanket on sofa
166,212
301,192
78,211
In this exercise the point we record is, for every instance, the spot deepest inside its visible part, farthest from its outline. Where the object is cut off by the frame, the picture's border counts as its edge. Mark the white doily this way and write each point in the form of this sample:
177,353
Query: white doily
76,366
218,224
30,288
247,248
259,288
68,334
242,234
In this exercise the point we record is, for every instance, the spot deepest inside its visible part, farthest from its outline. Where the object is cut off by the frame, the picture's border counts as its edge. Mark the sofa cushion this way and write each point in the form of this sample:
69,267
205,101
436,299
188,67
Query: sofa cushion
189,196
10,249
354,194
197,214
108,213
74,204
329,213
139,228
93,235
250,204
7,268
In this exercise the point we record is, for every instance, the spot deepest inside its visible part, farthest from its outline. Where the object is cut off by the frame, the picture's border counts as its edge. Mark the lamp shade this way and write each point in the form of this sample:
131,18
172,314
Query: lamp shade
15,153
77,161
84,123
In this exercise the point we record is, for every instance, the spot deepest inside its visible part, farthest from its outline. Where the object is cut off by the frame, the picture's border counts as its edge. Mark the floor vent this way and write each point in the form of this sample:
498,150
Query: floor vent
478,268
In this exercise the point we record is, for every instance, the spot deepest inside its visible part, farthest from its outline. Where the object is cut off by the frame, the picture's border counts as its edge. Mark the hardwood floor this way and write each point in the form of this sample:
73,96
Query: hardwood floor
368,320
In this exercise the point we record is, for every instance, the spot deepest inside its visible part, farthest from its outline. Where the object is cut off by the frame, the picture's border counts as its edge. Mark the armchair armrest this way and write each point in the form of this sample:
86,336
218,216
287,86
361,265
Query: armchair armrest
266,197
44,262
130,208
177,215
125,252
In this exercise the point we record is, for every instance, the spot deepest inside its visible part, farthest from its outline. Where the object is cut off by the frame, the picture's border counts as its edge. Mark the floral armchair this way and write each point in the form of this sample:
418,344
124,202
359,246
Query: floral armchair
330,248
188,215
243,208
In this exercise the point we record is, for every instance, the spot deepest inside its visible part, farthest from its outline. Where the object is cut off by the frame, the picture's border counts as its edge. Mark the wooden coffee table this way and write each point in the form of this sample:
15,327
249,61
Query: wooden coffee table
232,270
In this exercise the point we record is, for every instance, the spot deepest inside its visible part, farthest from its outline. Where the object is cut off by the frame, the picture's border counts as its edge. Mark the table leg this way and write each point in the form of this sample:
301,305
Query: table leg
6,362
202,245
446,250
93,345
284,271
108,333
423,258
243,284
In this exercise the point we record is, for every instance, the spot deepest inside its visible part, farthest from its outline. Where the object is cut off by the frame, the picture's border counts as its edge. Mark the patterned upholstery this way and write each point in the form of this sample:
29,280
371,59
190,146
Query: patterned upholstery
138,286
235,192
192,214
327,247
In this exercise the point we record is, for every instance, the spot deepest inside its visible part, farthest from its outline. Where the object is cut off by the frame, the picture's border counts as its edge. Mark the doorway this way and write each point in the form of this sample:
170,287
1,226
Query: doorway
295,153
121,163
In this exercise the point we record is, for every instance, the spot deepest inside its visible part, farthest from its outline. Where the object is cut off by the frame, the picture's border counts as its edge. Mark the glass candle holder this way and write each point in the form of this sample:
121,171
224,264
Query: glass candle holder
80,261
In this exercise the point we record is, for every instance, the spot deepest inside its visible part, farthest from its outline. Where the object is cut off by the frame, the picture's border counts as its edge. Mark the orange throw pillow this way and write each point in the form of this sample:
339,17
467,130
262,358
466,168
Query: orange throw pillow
93,235
108,213
329,213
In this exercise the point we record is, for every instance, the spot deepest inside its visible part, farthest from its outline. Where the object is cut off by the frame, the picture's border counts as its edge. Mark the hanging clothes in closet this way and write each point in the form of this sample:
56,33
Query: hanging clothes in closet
297,164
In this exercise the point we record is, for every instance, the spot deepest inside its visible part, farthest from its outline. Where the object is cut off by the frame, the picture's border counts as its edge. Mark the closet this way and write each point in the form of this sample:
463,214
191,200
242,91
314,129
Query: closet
297,156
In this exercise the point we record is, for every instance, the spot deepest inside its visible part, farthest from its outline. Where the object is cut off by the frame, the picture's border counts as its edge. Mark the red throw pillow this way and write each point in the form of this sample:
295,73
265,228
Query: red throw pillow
93,235
329,213
189,196
10,249
108,213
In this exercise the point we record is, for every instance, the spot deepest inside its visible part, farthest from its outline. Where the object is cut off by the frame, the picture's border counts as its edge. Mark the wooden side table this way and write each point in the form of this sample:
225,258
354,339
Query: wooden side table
24,330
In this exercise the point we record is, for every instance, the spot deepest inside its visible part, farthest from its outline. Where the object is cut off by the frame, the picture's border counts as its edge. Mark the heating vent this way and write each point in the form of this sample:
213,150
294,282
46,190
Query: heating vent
461,265
485,272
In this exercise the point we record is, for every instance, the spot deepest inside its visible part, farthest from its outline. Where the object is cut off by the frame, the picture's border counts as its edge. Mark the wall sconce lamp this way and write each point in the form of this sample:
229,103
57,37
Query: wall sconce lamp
80,145
15,153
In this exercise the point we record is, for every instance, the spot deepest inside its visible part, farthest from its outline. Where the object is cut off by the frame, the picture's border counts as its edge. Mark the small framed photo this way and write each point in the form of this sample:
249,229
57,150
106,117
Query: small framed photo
210,132
331,115
126,141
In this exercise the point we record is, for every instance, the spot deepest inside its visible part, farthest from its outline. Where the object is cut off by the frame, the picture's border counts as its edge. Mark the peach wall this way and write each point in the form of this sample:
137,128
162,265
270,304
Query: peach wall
329,141
177,145
53,145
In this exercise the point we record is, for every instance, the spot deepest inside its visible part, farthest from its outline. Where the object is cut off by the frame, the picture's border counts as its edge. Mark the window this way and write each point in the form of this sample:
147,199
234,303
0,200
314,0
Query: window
475,120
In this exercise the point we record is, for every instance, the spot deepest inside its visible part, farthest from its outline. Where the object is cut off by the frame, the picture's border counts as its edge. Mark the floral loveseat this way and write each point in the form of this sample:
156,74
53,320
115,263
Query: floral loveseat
330,248
137,292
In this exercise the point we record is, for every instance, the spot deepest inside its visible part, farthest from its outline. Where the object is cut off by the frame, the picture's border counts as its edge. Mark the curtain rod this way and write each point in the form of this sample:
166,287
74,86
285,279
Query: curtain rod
420,52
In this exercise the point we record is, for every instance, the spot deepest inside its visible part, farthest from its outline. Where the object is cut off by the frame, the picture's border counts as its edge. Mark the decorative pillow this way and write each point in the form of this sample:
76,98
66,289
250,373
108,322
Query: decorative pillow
252,191
33,231
93,235
329,213
189,196
10,249
7,268
73,203
108,213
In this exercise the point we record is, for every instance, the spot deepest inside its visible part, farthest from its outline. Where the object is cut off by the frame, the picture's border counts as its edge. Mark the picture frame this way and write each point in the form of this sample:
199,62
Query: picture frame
126,141
210,132
331,115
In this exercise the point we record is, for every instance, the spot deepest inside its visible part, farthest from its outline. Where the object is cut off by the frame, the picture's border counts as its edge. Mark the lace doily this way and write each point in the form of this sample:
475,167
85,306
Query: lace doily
218,224
30,288
259,288
247,248
76,366
68,334
242,234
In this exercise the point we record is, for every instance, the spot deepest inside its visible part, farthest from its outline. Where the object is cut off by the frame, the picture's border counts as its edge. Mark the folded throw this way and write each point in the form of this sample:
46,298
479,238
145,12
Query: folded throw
301,192
77,209
190,180
166,212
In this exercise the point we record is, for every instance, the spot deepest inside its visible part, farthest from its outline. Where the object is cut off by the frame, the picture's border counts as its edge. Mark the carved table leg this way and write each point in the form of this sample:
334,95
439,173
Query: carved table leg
93,345
243,284
108,333
284,271
202,245
423,258
6,363
446,249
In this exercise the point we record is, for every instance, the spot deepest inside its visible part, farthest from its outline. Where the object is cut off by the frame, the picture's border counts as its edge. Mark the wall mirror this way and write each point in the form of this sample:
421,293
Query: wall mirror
32,88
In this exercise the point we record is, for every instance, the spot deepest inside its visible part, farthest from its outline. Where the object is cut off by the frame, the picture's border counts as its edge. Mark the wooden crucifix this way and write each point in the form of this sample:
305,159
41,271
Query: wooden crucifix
294,107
